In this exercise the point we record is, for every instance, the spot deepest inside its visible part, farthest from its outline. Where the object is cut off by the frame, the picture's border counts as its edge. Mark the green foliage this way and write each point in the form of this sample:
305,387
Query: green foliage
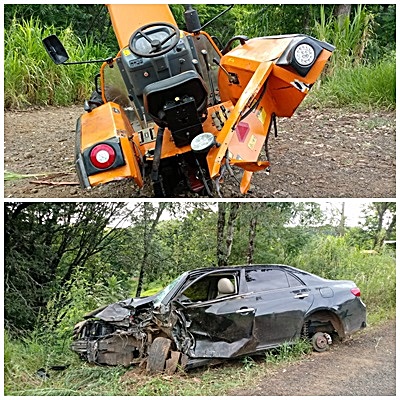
358,74
350,35
384,36
288,352
333,258
31,78
255,20
25,355
361,87
81,295
86,20
45,243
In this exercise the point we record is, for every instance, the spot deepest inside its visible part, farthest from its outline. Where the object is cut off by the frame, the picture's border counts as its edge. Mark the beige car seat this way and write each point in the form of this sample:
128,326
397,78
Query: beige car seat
225,287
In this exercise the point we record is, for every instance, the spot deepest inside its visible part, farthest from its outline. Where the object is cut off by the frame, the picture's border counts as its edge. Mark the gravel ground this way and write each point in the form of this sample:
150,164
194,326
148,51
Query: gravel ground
364,365
318,153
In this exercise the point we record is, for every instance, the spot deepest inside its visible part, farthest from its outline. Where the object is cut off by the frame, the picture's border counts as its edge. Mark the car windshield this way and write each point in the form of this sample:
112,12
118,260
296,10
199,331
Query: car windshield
160,296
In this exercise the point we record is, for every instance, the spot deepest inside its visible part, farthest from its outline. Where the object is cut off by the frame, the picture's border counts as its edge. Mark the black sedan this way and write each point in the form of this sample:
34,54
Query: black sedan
211,314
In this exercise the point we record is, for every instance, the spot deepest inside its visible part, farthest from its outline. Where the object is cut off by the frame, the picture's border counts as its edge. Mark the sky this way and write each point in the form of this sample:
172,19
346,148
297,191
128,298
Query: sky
353,208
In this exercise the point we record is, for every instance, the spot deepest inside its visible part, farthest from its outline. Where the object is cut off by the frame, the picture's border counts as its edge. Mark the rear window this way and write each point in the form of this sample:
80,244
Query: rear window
266,279
293,281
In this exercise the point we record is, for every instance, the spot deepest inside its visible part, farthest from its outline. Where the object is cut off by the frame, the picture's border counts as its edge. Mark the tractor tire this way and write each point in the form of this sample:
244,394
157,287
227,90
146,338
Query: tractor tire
158,354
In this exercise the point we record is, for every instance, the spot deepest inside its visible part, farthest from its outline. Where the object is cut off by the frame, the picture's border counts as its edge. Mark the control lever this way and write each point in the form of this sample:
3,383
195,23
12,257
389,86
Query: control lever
205,57
232,77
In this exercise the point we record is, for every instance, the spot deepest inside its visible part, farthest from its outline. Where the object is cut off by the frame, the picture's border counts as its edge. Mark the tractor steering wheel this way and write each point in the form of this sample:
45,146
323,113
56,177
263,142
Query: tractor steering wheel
157,48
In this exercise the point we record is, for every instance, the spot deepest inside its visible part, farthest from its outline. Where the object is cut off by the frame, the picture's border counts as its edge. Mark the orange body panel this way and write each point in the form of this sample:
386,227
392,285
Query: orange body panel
126,18
216,155
244,60
286,96
106,122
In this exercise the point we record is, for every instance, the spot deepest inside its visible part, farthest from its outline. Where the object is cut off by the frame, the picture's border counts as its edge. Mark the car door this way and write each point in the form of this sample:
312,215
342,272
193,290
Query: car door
281,301
222,327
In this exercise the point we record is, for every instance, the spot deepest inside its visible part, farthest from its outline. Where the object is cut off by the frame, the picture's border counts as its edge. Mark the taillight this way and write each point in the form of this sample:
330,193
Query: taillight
356,291
102,156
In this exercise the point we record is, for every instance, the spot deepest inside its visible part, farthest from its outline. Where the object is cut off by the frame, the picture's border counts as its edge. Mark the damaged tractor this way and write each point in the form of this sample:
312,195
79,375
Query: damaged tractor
178,109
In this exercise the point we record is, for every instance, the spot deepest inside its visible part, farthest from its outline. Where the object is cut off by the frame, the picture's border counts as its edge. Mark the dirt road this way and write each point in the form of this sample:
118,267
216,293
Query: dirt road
328,153
362,366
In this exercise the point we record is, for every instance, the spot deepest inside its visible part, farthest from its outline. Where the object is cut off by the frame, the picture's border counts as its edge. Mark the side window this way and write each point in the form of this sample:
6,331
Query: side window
293,281
198,291
211,287
259,280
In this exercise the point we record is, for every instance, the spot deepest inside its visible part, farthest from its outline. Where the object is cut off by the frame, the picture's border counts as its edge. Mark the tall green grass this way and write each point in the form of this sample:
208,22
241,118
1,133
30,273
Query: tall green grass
349,80
350,35
31,78
364,87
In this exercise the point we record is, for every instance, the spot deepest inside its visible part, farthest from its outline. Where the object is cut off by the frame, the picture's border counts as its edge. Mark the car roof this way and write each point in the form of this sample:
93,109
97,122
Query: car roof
306,277
246,266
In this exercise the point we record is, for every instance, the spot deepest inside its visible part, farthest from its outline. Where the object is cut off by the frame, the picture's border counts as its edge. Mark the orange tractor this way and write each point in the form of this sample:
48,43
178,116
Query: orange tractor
177,108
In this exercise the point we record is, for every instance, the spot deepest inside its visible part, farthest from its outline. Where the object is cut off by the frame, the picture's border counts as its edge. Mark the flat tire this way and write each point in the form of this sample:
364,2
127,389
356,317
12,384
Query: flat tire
158,354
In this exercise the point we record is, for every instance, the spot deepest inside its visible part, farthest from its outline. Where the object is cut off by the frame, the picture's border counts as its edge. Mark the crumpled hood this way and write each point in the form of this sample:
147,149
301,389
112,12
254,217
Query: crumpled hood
120,310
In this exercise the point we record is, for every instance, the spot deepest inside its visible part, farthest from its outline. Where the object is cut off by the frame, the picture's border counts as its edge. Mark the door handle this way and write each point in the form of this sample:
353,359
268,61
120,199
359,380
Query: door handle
301,296
244,310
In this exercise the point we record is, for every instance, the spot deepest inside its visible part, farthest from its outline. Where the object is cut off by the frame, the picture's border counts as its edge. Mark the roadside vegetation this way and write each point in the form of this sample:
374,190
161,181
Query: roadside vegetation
360,74
65,259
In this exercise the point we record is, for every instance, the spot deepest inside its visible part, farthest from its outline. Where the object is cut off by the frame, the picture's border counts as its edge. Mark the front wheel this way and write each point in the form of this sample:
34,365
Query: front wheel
158,354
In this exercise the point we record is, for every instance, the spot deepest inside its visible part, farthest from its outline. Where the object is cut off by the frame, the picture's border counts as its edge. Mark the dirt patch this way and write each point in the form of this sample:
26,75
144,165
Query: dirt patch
362,366
318,153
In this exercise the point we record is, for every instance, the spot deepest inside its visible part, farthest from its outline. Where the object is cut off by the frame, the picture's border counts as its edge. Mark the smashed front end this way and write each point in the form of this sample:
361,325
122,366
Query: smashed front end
118,334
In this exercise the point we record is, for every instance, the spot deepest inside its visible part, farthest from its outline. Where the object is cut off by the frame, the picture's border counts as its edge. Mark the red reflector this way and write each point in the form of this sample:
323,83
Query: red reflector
356,291
242,129
102,156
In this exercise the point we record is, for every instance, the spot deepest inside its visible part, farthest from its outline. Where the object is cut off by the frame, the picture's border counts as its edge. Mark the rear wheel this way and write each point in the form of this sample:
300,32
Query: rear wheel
158,354
321,341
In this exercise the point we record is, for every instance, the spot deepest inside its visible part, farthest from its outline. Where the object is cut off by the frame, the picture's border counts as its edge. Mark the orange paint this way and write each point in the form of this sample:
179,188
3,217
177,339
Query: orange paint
126,18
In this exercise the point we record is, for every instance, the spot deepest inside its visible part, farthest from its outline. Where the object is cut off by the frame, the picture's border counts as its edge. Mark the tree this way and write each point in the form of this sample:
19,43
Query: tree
150,218
45,243
341,11
225,230
380,222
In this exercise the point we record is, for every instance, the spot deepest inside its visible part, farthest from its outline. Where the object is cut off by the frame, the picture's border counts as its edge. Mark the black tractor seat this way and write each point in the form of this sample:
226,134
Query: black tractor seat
178,103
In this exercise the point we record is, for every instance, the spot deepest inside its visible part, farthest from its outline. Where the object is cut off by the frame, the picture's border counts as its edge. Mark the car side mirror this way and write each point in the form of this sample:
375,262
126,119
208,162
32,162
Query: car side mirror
55,49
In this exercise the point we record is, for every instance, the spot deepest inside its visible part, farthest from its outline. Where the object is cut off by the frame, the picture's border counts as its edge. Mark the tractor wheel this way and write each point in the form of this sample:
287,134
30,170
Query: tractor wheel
320,342
158,354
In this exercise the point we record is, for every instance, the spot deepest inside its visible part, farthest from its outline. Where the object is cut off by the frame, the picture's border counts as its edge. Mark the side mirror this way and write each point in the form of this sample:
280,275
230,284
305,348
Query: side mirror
55,49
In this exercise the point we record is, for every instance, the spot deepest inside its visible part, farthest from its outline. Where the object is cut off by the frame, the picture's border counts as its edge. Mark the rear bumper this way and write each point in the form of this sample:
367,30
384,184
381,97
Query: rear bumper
356,316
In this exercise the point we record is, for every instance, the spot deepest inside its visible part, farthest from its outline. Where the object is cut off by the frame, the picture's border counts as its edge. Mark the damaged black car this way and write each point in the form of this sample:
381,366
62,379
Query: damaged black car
211,314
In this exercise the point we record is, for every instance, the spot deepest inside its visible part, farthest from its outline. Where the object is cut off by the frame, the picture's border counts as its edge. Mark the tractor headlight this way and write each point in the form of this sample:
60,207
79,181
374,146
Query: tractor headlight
304,54
203,142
